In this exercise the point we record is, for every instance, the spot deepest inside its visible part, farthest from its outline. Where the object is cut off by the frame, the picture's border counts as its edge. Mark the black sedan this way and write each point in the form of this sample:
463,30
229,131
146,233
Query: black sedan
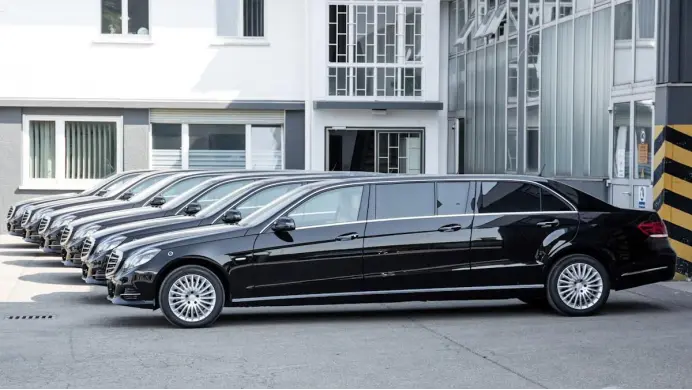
32,209
229,209
54,226
400,239
169,204
32,218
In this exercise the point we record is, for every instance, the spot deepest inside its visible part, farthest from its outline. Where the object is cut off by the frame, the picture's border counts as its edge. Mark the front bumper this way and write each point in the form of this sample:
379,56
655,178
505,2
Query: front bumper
50,244
122,293
32,236
14,229
94,275
72,254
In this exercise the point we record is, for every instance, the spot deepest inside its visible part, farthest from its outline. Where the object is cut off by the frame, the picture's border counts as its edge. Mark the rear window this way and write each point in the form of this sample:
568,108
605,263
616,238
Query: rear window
580,199
517,197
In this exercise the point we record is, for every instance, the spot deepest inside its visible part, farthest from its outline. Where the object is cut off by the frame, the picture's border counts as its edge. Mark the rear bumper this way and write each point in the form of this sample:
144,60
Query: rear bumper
661,268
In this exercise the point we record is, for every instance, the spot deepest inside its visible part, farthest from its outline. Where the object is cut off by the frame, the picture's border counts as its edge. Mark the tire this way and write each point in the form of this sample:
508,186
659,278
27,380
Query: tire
578,299
209,305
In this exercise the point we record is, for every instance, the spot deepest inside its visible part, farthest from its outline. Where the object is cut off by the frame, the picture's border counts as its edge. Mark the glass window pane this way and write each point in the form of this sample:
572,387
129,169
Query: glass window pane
646,22
399,153
643,122
263,197
533,66
623,71
146,183
623,21
532,138
452,84
42,150
334,206
220,191
181,186
621,140
509,197
418,202
564,99
534,13
461,82
453,198
512,139
166,136
217,146
138,17
549,10
550,202
266,147
111,17
601,68
90,149
453,31
582,89
583,5
253,18
227,17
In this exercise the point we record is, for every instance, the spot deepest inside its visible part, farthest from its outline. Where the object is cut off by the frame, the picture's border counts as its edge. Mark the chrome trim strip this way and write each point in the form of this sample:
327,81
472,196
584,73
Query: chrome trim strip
390,292
658,236
644,271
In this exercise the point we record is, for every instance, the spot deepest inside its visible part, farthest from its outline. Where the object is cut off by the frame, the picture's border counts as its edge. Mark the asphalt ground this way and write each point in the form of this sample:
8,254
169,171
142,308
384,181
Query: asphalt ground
642,339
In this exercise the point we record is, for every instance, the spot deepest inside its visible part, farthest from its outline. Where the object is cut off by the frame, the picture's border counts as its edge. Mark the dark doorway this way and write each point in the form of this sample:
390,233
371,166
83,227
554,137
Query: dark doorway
460,146
351,150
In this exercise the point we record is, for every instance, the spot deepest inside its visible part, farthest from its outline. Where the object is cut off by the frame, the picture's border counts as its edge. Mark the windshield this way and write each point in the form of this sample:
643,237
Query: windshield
276,205
146,184
101,183
222,203
263,197
207,198
118,184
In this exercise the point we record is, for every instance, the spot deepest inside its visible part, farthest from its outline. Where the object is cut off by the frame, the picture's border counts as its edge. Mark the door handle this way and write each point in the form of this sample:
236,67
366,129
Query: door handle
450,228
548,224
347,237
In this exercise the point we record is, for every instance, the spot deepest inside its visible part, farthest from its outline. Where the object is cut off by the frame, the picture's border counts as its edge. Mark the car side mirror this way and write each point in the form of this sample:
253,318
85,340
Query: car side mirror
232,216
284,224
158,201
193,208
126,196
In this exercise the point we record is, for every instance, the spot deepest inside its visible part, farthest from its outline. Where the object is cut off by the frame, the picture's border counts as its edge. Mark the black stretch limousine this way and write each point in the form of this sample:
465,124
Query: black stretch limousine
381,239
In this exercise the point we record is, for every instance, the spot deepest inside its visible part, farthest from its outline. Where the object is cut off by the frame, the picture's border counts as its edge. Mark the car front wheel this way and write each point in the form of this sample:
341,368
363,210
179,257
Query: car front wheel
191,297
578,285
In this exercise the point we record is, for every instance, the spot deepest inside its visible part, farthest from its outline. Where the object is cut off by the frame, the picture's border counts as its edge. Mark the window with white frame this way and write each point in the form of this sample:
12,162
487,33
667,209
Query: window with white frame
212,146
239,18
70,151
125,17
376,49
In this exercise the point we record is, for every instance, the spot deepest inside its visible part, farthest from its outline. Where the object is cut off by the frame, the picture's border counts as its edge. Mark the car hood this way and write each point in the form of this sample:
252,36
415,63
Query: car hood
126,228
45,199
186,236
89,206
71,202
114,215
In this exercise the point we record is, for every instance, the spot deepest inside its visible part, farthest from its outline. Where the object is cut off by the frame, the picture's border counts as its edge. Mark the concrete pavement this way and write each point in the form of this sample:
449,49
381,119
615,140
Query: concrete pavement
641,340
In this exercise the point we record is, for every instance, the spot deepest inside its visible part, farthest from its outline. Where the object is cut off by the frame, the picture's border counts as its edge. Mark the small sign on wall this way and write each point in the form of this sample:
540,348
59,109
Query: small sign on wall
641,201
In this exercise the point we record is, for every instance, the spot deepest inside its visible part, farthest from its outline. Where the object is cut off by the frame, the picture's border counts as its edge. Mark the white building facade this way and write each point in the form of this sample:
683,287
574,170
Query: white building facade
91,87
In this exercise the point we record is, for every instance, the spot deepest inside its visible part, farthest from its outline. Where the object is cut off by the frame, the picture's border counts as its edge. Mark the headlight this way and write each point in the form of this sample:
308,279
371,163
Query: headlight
140,257
63,220
109,244
81,233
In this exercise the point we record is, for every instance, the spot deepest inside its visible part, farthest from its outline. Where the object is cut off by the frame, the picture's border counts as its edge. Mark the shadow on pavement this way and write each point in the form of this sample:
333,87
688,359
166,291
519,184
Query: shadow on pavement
24,245
96,298
42,263
63,278
36,253
310,314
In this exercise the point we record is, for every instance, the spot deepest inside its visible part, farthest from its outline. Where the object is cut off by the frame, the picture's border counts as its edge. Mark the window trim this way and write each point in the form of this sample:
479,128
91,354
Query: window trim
240,39
185,142
124,35
60,182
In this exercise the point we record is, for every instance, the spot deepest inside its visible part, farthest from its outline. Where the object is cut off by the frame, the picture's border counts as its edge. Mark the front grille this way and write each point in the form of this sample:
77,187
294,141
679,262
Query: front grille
43,225
113,260
25,217
9,213
66,233
86,248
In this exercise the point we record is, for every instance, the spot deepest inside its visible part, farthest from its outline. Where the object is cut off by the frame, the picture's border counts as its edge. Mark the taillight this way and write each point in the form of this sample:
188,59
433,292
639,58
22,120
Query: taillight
654,229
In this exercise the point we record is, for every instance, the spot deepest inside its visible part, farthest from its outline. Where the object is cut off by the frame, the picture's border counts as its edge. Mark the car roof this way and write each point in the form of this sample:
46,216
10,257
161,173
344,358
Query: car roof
403,178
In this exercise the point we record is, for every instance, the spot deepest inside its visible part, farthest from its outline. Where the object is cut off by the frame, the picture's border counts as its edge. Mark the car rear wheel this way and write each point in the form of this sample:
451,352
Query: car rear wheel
578,285
191,297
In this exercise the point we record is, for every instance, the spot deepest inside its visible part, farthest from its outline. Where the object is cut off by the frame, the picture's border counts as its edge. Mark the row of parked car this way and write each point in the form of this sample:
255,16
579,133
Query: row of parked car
191,242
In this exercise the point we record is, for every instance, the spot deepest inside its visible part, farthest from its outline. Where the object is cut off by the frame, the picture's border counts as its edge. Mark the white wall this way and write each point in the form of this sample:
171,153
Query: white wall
53,49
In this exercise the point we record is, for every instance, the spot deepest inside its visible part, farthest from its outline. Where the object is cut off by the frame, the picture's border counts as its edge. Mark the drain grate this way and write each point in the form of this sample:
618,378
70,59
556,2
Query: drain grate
46,317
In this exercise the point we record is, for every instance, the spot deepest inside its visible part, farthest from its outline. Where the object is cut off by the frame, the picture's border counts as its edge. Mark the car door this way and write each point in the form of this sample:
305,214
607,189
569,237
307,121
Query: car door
323,255
517,224
418,236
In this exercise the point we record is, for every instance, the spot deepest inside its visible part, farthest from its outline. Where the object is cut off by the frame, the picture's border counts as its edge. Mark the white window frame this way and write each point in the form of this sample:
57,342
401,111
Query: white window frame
185,143
240,38
124,23
402,63
60,182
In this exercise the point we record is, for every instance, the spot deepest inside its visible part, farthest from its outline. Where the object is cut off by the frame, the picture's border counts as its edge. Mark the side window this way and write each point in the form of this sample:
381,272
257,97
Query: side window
404,200
550,202
219,192
453,198
334,206
262,197
181,186
509,197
